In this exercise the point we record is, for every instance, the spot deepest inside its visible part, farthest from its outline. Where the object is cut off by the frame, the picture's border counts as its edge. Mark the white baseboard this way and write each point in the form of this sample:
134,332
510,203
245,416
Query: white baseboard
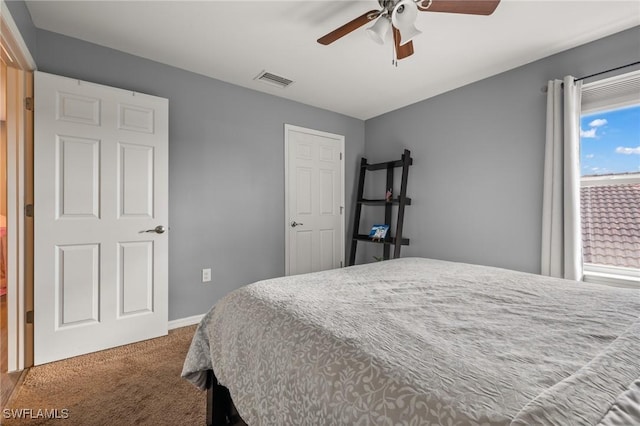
184,322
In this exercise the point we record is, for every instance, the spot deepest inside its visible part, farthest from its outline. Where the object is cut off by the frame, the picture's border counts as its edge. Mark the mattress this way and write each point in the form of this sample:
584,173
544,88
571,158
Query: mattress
417,341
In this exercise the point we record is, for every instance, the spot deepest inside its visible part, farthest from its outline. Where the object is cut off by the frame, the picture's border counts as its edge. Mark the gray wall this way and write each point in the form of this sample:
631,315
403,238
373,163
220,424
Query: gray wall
226,166
479,151
22,19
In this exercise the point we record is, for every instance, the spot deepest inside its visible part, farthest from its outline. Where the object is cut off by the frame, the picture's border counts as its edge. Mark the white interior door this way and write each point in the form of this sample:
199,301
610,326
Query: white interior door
101,181
314,200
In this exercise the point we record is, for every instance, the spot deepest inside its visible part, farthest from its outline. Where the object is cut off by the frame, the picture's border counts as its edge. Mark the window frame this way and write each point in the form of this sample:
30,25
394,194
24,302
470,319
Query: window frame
606,95
611,275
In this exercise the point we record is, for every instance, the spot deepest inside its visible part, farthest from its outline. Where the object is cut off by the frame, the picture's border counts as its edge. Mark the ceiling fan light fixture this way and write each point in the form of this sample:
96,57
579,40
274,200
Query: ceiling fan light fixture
378,31
403,18
408,34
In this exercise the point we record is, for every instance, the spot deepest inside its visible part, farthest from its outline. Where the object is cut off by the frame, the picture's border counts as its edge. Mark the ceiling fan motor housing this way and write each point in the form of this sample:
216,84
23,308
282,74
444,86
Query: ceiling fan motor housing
388,5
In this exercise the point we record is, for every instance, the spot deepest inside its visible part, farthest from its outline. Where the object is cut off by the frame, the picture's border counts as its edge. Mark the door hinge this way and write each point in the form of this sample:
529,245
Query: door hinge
28,210
341,264
28,103
341,156
29,317
341,209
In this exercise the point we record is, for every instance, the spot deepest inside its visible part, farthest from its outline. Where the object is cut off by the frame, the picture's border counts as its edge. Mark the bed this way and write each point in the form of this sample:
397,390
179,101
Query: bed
418,341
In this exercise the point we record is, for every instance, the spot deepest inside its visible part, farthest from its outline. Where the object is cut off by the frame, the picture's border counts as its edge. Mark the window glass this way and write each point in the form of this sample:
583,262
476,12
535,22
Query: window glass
610,189
610,142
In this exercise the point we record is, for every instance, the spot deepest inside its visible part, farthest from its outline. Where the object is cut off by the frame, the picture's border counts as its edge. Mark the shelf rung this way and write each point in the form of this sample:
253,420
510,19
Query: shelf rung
386,165
363,237
380,202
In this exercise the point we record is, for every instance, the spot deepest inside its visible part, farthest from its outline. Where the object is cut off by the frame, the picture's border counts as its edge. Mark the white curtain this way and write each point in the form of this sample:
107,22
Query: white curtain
561,230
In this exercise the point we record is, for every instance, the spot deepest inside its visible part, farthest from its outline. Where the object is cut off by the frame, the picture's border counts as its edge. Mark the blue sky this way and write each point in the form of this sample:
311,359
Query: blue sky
610,142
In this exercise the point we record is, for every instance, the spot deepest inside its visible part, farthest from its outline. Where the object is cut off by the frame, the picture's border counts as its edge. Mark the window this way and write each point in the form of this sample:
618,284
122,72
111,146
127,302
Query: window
610,180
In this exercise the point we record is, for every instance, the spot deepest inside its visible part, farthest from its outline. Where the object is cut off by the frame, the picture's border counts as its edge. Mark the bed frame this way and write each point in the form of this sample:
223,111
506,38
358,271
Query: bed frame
220,408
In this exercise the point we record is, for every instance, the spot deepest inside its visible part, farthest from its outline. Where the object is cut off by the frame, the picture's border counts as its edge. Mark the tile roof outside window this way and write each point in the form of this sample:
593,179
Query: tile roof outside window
611,224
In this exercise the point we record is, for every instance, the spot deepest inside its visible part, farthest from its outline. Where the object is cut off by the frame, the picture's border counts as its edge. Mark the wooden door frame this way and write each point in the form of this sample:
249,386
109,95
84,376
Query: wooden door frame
19,193
341,138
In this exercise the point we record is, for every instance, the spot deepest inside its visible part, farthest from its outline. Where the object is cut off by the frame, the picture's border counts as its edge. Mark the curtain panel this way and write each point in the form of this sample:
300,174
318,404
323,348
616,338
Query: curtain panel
561,229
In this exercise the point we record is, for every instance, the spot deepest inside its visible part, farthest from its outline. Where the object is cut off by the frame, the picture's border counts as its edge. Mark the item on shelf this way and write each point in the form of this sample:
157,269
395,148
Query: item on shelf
378,232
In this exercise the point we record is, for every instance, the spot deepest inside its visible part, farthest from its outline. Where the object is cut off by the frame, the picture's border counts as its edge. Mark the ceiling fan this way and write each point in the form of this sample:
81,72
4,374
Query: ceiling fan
400,16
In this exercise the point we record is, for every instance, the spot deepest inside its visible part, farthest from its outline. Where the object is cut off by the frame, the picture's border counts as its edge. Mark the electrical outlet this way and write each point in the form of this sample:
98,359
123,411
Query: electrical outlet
206,275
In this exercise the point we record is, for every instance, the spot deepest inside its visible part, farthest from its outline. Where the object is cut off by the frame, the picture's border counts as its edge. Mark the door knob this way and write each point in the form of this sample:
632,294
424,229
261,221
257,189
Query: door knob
294,224
158,229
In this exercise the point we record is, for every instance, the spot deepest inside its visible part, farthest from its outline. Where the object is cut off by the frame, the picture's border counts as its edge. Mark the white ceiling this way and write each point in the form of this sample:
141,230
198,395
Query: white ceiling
234,41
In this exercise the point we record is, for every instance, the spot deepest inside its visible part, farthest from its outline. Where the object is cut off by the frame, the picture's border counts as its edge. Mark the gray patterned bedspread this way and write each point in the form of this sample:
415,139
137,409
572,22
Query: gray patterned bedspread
418,342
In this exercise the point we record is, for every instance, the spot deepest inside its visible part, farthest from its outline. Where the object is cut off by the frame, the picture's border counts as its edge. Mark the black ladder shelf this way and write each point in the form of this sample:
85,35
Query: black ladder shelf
401,201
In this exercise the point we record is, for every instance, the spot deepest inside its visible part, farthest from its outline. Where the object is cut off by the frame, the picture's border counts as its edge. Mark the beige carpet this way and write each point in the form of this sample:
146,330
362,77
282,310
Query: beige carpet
136,384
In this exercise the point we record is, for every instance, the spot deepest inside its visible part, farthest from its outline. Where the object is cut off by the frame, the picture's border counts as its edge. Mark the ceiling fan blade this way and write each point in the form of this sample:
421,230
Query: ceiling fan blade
403,51
349,27
469,7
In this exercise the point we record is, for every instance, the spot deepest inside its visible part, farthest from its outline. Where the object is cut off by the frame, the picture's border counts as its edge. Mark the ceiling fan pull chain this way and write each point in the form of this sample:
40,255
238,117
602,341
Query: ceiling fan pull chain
393,55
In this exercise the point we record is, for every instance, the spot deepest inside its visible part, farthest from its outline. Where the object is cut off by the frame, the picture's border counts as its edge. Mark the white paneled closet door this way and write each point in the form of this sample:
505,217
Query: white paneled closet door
101,182
314,199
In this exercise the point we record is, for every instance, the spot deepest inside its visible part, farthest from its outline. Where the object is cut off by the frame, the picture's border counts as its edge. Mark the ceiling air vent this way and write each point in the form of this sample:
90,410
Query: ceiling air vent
274,80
